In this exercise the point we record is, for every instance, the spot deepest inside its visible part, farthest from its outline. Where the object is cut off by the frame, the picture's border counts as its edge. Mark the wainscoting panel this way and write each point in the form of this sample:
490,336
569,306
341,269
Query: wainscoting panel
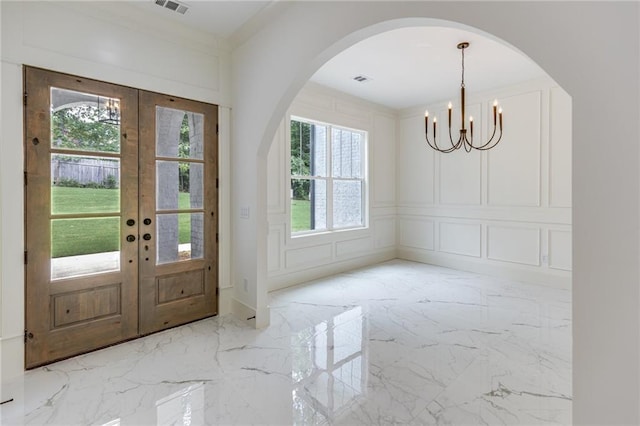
417,233
314,255
514,165
276,173
274,248
514,244
416,164
560,250
385,232
383,161
353,248
560,149
461,238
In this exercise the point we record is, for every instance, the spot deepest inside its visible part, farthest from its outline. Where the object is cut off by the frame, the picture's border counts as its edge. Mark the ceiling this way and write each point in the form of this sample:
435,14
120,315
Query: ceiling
407,67
420,65
221,18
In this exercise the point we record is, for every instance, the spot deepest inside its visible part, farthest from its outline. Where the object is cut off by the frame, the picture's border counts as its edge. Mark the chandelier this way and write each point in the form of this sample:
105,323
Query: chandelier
109,110
464,140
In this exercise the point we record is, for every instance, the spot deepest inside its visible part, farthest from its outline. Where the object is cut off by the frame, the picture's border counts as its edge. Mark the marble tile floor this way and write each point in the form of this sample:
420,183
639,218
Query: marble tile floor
395,343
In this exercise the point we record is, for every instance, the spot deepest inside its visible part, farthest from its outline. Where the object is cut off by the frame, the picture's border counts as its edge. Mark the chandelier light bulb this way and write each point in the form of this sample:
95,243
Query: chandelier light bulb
426,113
495,102
450,105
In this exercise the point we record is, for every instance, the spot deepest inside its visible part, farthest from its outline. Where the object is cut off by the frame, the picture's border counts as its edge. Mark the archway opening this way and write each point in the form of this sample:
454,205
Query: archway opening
505,213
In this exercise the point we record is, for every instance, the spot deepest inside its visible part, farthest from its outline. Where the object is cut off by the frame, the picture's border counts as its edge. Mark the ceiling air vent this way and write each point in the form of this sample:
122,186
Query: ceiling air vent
361,78
176,6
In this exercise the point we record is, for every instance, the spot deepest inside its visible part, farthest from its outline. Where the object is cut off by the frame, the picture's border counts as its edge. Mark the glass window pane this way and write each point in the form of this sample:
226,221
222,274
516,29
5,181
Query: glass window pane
300,148
308,205
180,237
179,134
319,151
84,121
84,184
346,153
180,185
84,246
347,203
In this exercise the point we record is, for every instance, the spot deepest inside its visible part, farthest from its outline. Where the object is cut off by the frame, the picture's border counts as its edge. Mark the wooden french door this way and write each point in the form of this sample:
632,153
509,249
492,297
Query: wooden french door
178,211
120,211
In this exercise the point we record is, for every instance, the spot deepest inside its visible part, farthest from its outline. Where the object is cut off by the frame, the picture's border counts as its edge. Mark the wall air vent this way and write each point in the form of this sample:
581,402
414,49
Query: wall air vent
174,5
361,78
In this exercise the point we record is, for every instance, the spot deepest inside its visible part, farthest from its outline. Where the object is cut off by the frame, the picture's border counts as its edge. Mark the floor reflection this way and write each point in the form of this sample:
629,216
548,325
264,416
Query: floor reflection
185,407
329,368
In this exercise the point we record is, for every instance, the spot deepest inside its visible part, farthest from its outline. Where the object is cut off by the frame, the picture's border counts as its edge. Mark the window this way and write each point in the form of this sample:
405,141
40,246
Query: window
327,177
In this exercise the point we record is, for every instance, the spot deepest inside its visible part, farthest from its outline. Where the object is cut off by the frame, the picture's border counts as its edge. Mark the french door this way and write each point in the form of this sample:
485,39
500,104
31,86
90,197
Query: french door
120,211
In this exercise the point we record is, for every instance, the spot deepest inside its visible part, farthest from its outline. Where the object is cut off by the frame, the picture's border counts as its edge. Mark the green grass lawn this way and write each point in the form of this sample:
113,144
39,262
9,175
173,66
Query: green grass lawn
300,215
71,237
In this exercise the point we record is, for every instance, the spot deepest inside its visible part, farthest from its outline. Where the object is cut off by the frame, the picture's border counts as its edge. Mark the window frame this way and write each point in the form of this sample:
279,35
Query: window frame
329,179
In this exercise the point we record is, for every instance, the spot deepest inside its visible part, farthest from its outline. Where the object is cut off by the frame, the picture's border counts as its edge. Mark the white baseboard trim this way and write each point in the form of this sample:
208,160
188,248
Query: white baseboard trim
244,313
549,278
294,278
11,358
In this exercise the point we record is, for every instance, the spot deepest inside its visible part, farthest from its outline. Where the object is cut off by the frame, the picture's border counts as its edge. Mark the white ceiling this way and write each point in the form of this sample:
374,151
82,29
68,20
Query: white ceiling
221,18
420,65
408,67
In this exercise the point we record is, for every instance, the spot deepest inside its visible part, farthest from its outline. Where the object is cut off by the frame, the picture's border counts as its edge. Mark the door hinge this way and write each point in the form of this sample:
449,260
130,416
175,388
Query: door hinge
217,129
26,257
217,183
24,98
217,291
25,335
25,179
217,237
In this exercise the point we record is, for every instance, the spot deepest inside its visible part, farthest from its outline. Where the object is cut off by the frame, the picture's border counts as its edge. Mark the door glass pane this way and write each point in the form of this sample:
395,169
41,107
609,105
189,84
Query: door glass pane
84,184
180,237
83,121
84,246
179,134
347,203
180,185
308,205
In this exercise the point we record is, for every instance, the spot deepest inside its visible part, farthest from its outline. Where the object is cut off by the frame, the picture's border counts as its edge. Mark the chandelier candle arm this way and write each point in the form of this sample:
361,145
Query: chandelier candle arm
463,140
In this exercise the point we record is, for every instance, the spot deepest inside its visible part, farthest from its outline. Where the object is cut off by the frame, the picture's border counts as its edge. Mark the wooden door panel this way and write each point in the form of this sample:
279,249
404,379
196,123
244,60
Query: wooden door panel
81,312
176,288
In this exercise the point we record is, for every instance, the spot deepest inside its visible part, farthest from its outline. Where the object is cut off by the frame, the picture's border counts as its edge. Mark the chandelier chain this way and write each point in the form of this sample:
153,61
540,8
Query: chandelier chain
462,85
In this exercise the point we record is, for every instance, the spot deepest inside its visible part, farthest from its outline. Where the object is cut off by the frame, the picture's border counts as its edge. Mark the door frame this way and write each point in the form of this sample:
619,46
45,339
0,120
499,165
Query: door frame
124,324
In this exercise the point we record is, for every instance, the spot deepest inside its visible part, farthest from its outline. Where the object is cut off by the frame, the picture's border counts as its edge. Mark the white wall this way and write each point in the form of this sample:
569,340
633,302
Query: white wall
592,50
113,43
299,259
506,211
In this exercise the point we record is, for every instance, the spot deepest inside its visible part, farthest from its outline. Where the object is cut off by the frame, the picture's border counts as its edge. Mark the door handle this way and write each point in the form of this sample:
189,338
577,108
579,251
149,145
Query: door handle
131,238
147,221
131,222
146,237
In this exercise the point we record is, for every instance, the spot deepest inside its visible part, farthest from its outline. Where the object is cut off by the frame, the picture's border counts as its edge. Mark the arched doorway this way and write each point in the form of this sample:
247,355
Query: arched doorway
327,29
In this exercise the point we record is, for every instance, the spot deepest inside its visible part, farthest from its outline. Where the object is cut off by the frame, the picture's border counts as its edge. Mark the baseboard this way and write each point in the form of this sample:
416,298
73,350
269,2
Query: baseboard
243,312
11,358
280,282
549,278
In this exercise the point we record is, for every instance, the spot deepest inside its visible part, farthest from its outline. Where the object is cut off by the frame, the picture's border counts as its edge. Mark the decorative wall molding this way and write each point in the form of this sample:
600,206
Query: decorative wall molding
460,238
514,244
